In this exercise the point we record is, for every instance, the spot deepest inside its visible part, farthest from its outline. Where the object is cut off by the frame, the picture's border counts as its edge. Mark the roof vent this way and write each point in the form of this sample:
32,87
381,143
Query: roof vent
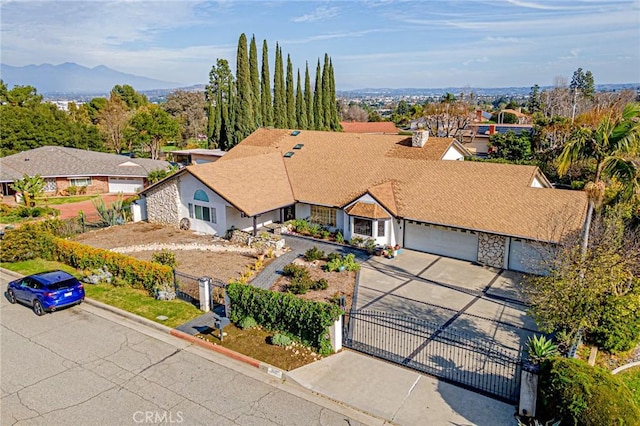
289,154
298,146
295,133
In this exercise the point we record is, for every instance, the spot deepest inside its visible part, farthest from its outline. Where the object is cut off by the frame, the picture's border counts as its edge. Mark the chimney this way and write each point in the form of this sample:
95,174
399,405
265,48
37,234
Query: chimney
419,138
492,129
478,115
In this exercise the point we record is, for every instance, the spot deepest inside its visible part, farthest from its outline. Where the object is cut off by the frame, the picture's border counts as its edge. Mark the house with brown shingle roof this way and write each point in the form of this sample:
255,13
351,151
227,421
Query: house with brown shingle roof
393,189
369,127
62,167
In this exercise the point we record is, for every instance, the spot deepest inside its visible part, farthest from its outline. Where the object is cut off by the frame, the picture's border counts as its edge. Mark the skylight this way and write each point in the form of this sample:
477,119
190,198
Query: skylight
298,146
295,133
289,154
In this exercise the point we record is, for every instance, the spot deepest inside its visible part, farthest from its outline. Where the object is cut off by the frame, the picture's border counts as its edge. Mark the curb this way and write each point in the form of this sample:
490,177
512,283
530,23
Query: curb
625,367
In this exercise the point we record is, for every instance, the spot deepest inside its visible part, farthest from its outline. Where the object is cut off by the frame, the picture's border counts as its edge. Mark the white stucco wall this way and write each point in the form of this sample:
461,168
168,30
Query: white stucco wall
188,186
536,183
453,154
235,219
390,231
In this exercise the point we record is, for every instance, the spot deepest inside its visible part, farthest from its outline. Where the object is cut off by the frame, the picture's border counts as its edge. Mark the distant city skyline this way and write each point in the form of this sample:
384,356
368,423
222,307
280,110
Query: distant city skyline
373,44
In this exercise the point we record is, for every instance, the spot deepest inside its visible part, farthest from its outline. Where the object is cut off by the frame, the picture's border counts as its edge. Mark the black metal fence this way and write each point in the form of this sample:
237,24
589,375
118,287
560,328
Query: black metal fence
187,288
469,362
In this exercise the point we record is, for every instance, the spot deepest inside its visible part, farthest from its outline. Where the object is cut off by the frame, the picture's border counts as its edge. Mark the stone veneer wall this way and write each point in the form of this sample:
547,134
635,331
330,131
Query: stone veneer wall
491,249
163,204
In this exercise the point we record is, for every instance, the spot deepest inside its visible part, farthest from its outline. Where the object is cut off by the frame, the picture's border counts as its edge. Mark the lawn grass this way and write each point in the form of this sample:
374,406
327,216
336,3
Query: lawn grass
631,377
54,201
140,303
34,266
129,299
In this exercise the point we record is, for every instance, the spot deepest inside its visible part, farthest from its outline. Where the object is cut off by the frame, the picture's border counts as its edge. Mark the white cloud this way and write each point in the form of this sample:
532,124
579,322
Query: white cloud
319,14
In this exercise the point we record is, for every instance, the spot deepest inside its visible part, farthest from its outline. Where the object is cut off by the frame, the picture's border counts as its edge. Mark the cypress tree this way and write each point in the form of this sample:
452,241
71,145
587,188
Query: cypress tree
301,106
326,94
265,96
308,97
244,117
255,82
318,111
220,94
335,120
279,107
291,100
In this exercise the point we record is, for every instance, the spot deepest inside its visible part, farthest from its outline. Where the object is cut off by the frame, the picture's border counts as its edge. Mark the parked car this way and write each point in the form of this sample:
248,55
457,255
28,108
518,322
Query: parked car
46,291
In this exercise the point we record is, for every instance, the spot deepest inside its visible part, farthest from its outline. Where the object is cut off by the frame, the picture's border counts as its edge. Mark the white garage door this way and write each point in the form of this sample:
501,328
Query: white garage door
128,185
459,244
526,256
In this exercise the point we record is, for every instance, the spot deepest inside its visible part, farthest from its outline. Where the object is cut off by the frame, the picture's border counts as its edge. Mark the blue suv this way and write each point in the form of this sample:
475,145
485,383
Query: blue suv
46,291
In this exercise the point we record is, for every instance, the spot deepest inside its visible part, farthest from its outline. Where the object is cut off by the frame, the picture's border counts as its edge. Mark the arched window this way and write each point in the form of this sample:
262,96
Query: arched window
200,195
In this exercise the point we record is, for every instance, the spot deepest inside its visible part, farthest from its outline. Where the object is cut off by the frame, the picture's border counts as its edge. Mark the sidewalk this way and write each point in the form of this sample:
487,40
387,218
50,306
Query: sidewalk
399,395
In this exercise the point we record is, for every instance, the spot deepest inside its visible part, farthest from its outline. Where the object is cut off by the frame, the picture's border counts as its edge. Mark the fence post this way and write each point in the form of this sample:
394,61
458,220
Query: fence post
528,390
335,334
204,285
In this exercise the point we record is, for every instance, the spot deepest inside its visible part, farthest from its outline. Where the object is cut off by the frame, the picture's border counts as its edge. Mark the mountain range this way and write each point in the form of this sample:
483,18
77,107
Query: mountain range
73,78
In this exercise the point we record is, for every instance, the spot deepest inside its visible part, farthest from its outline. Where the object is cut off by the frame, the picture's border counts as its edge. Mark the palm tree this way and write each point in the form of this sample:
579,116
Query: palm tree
614,145
29,187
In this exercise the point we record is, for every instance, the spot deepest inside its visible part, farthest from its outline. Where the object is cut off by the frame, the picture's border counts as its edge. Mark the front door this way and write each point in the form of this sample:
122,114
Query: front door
289,213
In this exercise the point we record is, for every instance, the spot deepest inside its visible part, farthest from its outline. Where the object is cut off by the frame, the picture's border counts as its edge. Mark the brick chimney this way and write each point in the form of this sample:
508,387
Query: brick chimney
419,138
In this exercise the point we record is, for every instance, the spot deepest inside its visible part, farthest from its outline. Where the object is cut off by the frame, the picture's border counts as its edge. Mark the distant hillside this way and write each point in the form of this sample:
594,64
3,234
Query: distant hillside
73,78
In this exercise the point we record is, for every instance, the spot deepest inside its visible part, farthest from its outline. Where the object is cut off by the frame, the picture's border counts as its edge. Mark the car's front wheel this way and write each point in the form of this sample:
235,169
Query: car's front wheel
37,308
11,296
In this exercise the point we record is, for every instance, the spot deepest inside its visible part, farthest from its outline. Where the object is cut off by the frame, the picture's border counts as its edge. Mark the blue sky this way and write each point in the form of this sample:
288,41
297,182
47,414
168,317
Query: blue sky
373,44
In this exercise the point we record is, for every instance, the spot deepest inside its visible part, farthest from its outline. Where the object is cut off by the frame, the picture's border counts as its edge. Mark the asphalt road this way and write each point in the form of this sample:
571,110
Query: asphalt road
86,366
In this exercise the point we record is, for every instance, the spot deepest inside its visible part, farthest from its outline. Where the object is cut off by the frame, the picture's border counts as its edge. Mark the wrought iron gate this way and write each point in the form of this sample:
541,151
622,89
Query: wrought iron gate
421,345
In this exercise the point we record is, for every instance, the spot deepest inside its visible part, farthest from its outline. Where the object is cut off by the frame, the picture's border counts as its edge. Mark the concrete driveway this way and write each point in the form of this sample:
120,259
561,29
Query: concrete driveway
460,296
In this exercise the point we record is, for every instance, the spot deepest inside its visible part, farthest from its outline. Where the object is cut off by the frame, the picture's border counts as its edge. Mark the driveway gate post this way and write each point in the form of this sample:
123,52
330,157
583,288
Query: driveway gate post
204,285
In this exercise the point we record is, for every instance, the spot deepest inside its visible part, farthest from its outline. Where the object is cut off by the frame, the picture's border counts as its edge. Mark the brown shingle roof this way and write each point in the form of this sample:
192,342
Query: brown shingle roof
334,169
369,127
253,185
368,210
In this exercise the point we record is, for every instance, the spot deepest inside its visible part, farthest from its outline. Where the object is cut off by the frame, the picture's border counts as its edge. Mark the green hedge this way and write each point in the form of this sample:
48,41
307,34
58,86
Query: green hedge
307,320
575,393
38,241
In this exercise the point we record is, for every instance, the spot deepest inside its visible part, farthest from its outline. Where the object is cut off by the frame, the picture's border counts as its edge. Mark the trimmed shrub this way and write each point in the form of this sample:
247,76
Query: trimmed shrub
339,263
165,257
619,327
321,284
306,320
293,270
575,393
247,323
300,285
30,241
138,273
281,340
313,253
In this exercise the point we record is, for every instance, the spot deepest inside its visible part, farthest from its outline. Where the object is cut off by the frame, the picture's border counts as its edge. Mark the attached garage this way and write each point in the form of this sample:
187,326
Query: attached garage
127,185
525,256
449,242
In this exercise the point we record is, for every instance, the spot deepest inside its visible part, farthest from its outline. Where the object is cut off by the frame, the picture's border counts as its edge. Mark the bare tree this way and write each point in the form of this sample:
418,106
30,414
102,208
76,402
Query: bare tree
353,112
447,118
112,120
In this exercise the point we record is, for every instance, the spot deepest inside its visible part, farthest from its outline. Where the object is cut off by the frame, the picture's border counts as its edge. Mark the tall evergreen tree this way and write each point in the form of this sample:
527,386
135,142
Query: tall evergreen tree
291,100
326,94
244,116
308,97
219,95
255,82
265,95
279,104
318,110
335,120
301,106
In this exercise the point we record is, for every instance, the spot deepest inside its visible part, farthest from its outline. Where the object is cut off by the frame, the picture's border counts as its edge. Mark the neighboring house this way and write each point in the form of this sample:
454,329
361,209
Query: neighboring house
369,127
187,157
392,189
475,136
63,167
